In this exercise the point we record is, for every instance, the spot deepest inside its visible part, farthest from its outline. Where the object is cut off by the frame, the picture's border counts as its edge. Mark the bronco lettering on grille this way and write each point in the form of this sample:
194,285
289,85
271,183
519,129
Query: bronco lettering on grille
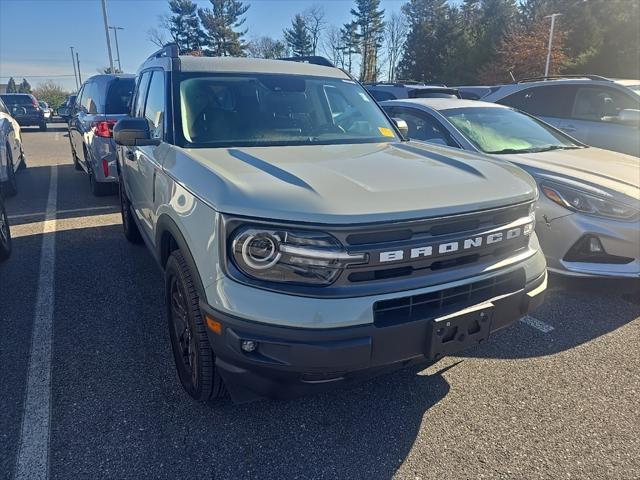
472,243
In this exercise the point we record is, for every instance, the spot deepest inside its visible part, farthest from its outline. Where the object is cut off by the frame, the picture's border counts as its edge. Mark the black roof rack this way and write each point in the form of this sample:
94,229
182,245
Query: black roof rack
312,59
170,50
559,77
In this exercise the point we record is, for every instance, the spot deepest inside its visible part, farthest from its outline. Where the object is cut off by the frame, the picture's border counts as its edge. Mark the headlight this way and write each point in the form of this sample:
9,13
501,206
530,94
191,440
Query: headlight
580,201
304,257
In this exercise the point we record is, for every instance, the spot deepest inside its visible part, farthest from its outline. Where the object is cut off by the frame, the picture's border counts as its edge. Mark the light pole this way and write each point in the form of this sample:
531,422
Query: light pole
79,75
106,31
115,35
553,24
75,74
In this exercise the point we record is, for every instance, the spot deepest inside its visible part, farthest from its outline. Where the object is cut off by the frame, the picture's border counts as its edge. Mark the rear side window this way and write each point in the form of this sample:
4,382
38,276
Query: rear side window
154,108
90,98
141,94
119,96
546,101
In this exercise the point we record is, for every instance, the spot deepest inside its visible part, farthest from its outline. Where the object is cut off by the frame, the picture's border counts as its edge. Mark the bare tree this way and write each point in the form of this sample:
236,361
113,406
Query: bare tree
266,47
157,37
314,18
395,33
333,46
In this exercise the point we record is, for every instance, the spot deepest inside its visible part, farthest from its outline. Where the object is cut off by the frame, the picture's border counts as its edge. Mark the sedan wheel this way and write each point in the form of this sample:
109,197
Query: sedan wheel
5,234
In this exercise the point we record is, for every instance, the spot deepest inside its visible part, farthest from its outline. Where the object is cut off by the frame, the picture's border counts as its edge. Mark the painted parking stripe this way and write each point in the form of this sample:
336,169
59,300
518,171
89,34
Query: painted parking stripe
537,324
64,212
32,460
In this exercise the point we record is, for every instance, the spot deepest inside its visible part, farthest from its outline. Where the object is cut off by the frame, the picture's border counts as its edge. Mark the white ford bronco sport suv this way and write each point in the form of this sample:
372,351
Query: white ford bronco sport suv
304,243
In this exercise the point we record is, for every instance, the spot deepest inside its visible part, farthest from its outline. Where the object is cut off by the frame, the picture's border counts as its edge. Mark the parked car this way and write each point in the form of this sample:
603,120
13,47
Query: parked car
48,112
101,102
25,108
11,153
5,231
633,85
304,244
595,110
64,110
390,91
589,212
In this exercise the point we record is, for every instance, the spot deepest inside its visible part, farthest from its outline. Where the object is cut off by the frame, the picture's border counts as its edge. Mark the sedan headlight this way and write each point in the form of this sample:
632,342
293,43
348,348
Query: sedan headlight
312,258
581,201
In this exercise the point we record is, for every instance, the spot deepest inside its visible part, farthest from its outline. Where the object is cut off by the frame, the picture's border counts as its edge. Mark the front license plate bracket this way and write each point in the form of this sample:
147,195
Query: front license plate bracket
452,333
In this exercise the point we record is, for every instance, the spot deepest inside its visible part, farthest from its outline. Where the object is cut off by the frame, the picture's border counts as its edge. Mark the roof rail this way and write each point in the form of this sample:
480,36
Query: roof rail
313,59
170,50
559,77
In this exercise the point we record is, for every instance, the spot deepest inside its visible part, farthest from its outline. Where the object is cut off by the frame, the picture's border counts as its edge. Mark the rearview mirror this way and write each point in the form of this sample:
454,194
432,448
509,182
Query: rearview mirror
133,132
402,126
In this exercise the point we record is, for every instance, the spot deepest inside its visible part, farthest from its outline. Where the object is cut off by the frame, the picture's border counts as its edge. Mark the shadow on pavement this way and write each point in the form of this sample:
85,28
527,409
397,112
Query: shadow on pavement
579,310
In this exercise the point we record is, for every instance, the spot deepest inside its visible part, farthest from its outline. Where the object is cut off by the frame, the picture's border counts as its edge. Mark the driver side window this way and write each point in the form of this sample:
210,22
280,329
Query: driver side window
423,127
595,104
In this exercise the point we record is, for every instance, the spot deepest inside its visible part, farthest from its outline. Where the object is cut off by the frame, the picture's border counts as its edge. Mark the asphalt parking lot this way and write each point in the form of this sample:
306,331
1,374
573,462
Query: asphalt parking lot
554,396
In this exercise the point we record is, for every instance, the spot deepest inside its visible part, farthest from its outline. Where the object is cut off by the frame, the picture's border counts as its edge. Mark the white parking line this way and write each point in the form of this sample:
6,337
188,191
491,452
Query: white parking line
63,212
32,462
537,324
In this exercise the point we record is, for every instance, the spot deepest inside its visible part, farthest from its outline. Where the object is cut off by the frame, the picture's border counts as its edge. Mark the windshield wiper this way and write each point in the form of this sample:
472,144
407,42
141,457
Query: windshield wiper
533,150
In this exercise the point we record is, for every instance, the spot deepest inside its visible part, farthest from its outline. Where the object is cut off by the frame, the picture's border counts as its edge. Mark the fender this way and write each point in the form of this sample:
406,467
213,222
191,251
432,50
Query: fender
166,224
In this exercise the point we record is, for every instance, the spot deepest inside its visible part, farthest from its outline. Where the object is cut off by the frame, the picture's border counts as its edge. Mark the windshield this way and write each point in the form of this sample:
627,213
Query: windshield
267,109
502,130
17,99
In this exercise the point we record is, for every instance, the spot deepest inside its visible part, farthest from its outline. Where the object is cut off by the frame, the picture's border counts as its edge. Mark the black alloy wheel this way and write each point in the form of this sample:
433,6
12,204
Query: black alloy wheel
5,233
194,358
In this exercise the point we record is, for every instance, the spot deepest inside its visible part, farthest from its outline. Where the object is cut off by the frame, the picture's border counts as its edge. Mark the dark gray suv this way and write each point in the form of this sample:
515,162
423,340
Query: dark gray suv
101,102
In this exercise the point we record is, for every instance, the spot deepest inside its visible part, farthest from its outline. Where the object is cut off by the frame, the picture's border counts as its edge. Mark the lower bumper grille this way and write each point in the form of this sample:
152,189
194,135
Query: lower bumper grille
433,304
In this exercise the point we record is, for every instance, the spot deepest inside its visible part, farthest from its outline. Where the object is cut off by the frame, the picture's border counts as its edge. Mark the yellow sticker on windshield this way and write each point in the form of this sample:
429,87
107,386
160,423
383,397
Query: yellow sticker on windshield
387,132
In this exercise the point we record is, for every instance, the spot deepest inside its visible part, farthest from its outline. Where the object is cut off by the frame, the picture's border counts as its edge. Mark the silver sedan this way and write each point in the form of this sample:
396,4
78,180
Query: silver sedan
588,214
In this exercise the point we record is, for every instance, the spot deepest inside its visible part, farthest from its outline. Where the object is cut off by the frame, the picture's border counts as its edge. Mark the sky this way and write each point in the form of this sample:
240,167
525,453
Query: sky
35,35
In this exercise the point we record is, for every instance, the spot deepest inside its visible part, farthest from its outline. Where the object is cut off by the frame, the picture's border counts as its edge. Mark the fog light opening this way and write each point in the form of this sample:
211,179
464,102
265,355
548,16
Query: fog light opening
595,245
248,346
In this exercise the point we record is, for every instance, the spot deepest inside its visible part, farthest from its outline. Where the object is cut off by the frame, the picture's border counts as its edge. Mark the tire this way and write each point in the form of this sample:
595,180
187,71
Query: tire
10,186
43,126
5,234
76,160
194,358
129,225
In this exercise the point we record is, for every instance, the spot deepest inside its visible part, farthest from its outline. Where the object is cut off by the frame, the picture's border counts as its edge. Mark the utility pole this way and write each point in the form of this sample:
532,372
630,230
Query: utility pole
75,74
106,31
553,24
79,75
115,34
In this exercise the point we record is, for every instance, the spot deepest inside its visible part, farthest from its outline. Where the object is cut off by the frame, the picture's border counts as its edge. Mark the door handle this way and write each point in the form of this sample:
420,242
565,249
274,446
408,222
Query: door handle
130,155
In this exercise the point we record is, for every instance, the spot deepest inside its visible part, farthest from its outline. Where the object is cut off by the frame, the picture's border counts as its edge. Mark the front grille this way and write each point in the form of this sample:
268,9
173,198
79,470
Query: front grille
433,304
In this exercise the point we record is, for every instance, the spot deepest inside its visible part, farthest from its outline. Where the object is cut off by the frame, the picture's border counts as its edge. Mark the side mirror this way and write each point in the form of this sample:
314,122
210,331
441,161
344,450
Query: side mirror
133,132
629,117
18,111
402,126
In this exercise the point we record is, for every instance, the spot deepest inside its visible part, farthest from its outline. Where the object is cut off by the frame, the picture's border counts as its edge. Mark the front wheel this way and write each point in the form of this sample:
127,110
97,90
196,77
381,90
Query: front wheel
192,352
5,234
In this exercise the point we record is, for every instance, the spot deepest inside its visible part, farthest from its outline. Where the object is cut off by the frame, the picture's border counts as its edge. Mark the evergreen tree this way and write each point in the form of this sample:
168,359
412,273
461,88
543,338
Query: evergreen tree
11,86
24,87
184,26
368,17
298,38
221,23
351,43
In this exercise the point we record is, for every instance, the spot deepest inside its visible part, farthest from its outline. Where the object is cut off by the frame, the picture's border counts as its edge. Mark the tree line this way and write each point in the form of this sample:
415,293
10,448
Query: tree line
474,41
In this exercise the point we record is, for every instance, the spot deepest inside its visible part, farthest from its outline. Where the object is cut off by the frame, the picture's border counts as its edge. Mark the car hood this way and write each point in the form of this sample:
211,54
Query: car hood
348,183
615,172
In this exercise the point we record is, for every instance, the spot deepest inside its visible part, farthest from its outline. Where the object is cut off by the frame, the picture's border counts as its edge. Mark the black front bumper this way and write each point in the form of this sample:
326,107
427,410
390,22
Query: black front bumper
290,362
30,120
